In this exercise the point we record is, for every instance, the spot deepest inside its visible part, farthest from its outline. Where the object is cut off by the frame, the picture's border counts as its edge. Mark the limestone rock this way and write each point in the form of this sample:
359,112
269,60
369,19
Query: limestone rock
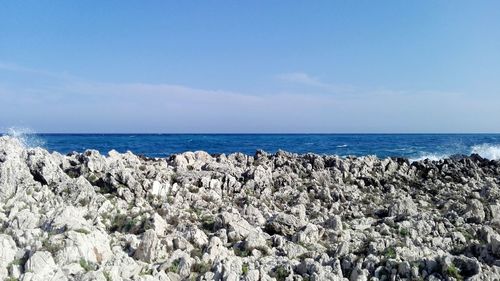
284,216
284,224
148,248
8,252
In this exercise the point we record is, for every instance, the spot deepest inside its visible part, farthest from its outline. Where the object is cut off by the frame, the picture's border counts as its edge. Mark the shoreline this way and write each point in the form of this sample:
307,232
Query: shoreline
193,215
413,147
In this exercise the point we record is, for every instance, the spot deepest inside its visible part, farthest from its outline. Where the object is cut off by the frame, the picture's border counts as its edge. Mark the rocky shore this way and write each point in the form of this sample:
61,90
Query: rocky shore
195,216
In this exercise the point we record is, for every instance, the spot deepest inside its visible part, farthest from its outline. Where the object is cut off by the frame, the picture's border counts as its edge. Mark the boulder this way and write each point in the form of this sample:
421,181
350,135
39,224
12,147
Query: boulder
148,249
41,264
8,252
309,234
403,207
475,211
238,228
284,224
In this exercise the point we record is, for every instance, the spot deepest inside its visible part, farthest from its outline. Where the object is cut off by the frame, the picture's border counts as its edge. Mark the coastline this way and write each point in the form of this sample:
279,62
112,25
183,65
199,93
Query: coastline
84,216
411,146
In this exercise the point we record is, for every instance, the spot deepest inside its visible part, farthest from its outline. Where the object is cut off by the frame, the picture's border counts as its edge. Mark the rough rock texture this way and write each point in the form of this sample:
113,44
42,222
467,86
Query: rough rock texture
194,216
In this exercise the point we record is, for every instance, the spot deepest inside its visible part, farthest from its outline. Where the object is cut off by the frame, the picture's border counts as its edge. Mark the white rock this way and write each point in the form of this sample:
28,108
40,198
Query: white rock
122,266
160,189
158,224
8,251
148,249
14,172
93,247
475,211
252,275
237,225
255,240
24,220
254,216
403,207
70,218
308,235
41,263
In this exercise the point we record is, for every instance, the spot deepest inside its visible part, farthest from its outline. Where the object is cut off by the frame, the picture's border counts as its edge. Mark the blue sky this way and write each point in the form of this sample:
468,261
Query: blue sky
250,66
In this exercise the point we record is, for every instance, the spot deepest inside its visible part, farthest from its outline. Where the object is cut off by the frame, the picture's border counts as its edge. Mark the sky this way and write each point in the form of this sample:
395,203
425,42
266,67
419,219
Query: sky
250,66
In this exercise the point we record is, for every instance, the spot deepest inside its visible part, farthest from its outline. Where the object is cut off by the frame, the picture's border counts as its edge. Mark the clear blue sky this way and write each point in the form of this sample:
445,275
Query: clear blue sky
250,66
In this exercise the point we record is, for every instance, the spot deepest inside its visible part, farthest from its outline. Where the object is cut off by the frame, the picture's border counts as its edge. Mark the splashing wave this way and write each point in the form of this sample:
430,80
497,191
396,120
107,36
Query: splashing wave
485,150
431,156
489,151
26,136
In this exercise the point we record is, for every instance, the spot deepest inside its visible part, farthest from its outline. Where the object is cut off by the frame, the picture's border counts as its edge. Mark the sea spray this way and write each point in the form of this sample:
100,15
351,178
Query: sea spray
430,156
26,136
489,151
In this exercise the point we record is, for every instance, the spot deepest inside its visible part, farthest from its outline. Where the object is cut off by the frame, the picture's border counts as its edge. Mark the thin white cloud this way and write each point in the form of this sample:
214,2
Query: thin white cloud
62,103
305,79
12,67
301,78
79,105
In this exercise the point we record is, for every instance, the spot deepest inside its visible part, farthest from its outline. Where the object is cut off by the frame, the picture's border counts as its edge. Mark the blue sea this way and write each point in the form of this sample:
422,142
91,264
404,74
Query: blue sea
412,146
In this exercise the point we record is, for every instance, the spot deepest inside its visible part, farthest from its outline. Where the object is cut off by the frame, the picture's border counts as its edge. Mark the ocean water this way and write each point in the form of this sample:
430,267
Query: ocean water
412,146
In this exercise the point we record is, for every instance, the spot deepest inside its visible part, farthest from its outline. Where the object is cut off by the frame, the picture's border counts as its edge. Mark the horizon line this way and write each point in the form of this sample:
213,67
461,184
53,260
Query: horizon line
256,133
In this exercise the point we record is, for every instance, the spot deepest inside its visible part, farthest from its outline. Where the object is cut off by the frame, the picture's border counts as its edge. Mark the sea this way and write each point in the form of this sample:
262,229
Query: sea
412,146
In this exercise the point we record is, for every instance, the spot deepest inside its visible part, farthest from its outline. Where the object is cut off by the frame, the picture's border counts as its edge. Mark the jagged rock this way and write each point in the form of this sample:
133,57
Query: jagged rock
359,275
92,246
45,169
70,218
215,250
85,216
254,216
495,245
196,236
403,207
122,266
495,216
24,220
310,234
262,176
158,224
284,224
475,211
8,252
160,189
14,173
148,249
42,266
255,240
252,275
335,223
94,276
238,228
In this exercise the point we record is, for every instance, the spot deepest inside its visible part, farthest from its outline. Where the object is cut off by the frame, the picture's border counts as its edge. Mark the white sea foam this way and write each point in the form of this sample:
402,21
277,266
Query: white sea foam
342,145
26,136
430,156
486,150
489,151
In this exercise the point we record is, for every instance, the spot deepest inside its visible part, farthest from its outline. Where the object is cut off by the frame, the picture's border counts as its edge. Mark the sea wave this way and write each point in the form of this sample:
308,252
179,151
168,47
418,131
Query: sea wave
430,156
26,136
342,145
486,150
